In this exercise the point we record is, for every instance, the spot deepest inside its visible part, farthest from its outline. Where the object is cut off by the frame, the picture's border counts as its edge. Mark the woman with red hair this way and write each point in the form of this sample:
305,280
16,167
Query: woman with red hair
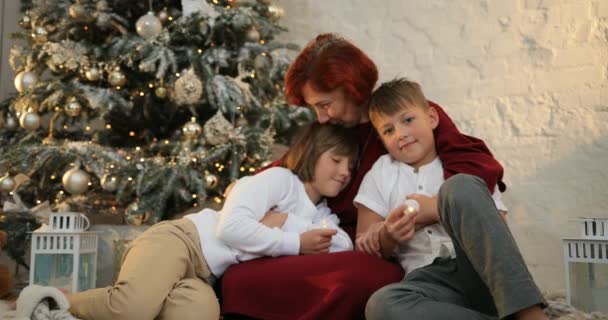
335,78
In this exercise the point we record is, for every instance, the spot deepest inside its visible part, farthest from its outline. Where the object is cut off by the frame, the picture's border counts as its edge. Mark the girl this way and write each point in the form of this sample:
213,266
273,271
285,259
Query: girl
168,272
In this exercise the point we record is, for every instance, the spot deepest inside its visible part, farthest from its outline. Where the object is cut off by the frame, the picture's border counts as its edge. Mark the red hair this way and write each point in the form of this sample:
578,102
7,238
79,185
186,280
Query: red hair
329,62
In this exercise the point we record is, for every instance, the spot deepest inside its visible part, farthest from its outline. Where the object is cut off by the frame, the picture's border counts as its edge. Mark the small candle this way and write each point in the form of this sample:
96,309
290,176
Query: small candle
412,205
324,222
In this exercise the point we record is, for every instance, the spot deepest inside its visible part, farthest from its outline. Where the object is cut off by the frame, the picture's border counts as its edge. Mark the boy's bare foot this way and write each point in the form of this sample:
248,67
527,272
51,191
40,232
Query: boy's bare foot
532,313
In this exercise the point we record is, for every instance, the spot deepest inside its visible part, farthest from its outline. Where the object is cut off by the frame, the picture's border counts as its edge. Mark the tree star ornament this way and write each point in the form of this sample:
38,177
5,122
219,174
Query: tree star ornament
76,181
217,129
148,26
188,88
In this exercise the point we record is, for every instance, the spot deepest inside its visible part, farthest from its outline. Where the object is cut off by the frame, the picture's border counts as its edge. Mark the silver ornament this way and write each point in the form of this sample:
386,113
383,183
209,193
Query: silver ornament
241,21
10,122
25,80
76,181
73,108
148,26
104,20
30,120
77,11
217,129
192,129
109,183
93,74
117,78
252,35
211,180
7,183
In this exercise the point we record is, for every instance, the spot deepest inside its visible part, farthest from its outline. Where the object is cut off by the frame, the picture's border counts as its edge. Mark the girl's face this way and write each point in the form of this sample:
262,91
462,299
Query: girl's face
335,106
332,174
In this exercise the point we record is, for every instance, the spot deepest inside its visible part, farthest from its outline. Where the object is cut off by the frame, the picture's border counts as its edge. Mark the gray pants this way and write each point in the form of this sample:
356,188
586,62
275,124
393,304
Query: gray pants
488,279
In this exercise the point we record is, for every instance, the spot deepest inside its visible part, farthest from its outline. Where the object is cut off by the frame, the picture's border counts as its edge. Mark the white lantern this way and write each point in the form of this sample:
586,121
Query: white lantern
586,266
64,254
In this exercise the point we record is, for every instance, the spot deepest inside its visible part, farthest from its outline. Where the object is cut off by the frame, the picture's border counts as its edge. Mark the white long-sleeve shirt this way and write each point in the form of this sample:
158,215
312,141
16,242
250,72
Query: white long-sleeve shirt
235,234
384,188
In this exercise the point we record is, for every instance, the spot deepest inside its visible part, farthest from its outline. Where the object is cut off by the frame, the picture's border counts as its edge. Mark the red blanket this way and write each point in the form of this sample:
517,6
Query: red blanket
337,286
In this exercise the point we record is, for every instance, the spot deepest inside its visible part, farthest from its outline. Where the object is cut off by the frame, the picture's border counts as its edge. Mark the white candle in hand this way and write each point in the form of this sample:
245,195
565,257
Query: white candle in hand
412,205
324,223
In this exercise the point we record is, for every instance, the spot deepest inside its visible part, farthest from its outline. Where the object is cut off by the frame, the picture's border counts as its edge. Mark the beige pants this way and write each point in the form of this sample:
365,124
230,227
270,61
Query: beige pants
163,276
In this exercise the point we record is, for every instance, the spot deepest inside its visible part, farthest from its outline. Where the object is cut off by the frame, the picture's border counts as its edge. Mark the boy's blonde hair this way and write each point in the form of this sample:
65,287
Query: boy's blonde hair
395,95
312,141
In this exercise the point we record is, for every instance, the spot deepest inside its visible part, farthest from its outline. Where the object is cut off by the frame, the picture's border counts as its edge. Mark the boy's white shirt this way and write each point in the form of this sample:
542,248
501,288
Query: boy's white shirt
235,234
384,188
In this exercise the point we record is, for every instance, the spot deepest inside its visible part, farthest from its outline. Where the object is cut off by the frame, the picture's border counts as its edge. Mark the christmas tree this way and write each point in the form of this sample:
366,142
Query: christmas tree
142,108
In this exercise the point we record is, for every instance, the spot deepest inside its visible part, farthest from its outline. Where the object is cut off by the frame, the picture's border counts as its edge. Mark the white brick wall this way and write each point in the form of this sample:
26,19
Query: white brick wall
528,76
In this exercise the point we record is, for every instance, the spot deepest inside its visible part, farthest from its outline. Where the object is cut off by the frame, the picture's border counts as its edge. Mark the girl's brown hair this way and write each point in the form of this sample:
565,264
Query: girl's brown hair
313,140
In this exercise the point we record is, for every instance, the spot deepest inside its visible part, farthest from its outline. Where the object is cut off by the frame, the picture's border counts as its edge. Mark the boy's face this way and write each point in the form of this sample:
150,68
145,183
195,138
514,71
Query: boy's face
408,134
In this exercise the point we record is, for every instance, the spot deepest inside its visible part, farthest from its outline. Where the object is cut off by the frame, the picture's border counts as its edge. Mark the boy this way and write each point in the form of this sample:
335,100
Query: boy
460,258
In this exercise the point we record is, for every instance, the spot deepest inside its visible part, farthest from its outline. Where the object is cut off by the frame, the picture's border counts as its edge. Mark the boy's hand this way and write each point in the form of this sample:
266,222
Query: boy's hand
316,241
429,212
369,242
400,224
274,219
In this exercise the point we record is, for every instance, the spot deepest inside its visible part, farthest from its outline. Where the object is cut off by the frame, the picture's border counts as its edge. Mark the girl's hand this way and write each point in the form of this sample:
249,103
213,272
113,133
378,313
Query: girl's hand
274,219
316,241
400,224
429,211
369,242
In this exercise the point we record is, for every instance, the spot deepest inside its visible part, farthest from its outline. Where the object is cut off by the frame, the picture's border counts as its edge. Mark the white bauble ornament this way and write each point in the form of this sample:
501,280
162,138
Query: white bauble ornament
76,181
217,129
25,80
30,120
148,26
7,183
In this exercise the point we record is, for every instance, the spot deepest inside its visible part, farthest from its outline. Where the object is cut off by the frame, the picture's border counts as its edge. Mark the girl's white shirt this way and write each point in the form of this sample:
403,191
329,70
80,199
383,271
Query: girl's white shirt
235,234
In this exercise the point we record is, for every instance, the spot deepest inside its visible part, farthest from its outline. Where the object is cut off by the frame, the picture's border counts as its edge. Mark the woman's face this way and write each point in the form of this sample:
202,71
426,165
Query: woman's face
335,106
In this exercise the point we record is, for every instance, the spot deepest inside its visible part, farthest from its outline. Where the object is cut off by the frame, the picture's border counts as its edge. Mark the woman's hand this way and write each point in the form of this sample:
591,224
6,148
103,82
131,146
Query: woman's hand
400,224
316,241
274,219
369,242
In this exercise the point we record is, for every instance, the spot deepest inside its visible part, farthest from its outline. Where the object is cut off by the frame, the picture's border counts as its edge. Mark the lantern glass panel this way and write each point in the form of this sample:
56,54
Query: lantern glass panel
54,270
86,272
589,286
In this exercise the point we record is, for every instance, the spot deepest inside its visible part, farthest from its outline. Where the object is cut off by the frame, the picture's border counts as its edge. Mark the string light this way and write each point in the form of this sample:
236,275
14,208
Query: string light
193,196
117,87
166,141
242,169
150,85
132,134
128,158
53,177
137,148
178,75
130,178
87,128
141,93
251,169
108,126
217,199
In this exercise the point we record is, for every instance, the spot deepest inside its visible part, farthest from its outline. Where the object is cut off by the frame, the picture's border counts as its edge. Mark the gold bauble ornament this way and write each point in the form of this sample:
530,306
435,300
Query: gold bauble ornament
93,74
25,80
7,183
161,92
77,11
30,120
40,35
135,215
109,183
252,35
192,129
117,78
73,108
76,181
211,180
25,22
